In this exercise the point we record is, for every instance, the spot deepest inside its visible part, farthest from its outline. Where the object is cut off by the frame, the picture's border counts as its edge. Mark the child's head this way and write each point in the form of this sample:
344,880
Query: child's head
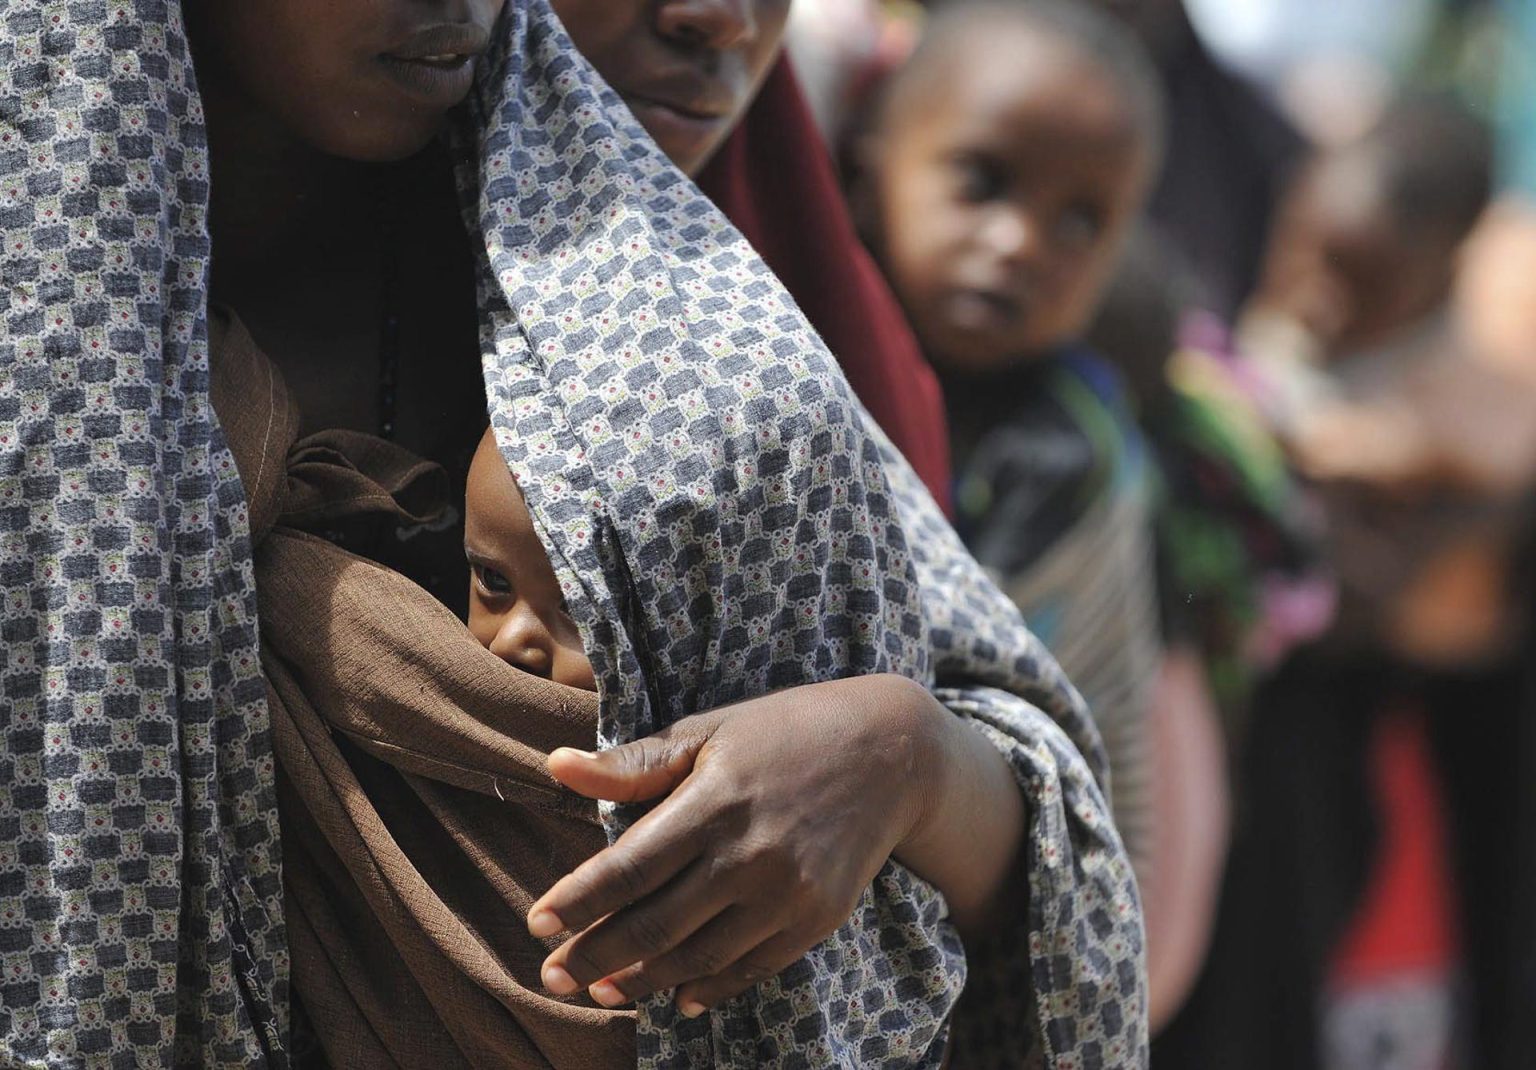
1000,175
359,79
1365,243
516,609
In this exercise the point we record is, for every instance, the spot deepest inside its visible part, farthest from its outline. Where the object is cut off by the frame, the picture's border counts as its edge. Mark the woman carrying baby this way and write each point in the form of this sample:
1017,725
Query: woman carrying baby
720,520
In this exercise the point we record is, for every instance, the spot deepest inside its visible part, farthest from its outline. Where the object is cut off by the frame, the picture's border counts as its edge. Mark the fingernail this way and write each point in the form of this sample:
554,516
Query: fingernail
573,752
542,923
607,993
558,981
691,1008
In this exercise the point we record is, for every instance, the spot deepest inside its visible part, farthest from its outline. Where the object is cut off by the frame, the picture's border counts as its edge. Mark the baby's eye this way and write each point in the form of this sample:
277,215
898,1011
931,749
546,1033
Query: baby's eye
981,179
491,581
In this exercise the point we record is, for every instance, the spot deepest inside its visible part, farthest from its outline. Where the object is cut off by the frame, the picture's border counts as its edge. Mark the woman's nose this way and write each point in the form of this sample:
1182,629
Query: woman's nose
523,641
716,24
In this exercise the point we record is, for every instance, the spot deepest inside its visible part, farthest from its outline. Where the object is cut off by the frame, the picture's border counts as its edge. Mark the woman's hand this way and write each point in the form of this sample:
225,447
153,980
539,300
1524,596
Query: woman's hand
781,812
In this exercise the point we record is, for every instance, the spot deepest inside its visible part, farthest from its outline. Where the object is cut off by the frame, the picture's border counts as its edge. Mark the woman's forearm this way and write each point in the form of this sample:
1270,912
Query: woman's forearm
970,823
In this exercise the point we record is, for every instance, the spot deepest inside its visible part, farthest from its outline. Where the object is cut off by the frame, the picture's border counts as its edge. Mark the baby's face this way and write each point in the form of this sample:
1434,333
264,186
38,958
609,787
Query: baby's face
1338,263
516,609
1002,194
358,79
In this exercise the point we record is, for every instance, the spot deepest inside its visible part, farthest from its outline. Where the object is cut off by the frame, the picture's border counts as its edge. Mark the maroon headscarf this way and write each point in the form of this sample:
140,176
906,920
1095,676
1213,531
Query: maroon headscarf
775,180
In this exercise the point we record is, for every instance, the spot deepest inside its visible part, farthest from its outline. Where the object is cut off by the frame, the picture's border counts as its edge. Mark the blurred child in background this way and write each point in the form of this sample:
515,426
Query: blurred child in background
1240,572
996,182
1380,799
1423,450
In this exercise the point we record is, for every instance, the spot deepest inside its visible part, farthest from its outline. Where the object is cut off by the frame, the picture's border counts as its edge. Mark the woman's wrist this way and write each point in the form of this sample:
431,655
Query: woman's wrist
934,749
966,811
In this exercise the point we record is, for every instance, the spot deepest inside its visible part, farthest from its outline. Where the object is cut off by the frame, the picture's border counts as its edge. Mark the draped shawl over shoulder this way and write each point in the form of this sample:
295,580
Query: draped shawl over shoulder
140,899
722,516
775,181
725,520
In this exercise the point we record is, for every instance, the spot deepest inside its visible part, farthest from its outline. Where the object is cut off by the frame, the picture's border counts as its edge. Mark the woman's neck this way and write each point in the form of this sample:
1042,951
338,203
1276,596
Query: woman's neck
346,275
278,207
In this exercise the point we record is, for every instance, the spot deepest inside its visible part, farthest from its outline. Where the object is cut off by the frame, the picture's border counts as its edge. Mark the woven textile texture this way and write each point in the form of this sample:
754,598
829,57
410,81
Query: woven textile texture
140,897
726,521
721,516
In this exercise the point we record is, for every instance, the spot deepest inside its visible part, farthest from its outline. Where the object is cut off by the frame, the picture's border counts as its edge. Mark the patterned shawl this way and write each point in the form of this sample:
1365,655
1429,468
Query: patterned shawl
140,900
725,521
719,514
776,182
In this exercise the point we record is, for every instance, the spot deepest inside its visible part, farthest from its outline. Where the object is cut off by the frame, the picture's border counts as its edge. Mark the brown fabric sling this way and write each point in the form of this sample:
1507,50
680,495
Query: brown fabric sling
419,823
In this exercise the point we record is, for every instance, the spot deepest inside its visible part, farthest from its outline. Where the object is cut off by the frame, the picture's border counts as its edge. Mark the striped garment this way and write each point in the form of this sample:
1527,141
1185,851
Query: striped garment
1056,499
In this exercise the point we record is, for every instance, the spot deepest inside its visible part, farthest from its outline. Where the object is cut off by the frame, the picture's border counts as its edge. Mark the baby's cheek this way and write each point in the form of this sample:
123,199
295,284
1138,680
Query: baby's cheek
481,624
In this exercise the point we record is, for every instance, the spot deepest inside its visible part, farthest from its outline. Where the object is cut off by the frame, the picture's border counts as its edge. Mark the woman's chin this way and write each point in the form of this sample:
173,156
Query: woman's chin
388,138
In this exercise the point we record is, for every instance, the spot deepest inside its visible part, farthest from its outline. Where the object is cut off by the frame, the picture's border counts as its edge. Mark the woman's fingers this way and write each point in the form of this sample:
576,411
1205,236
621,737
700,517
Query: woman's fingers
645,930
645,769
649,854
733,933
768,959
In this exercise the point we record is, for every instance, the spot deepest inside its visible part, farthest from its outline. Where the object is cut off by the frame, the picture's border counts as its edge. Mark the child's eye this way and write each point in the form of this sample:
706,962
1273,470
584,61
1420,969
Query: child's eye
491,581
981,179
1080,226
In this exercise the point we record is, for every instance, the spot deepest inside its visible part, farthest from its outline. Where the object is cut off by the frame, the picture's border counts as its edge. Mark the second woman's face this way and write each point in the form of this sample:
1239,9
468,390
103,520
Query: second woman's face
361,79
688,69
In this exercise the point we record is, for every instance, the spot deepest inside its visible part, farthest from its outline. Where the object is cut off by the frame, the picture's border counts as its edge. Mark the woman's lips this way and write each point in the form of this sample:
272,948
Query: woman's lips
680,130
442,83
436,65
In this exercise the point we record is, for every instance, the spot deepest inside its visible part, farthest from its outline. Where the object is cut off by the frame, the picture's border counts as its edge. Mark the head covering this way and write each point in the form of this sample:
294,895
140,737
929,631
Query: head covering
141,921
723,519
775,181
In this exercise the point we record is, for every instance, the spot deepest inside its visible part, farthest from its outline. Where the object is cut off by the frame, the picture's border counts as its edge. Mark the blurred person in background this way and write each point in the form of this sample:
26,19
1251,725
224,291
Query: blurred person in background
997,182
1379,793
1228,147
1228,151
1240,578
1238,543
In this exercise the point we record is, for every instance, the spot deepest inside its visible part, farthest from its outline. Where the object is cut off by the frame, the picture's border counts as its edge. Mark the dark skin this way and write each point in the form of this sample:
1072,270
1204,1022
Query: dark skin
688,69
516,608
779,811
1344,265
326,183
999,185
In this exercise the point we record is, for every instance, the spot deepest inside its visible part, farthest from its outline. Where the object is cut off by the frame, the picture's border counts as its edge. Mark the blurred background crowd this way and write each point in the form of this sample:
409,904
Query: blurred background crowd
1233,307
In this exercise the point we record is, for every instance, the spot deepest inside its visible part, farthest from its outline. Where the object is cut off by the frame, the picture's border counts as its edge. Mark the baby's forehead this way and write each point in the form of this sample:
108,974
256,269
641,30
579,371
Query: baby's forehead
1342,193
493,502
983,30
996,66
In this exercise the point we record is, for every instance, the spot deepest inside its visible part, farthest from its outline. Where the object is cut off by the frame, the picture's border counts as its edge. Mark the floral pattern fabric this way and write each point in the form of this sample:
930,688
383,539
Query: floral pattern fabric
721,518
725,521
140,895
